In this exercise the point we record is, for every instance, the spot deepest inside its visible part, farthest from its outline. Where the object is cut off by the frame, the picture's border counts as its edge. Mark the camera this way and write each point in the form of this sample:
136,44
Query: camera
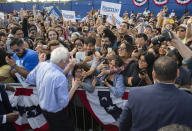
165,36
142,72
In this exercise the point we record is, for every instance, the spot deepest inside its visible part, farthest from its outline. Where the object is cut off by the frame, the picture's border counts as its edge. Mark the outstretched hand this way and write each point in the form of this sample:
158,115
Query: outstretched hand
11,117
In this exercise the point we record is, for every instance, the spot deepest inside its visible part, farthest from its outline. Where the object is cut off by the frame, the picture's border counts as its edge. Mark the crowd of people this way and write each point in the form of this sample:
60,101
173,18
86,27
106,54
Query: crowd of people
44,51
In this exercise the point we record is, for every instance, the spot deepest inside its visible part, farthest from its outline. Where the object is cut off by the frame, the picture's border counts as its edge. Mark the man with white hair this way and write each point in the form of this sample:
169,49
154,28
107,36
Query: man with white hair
52,87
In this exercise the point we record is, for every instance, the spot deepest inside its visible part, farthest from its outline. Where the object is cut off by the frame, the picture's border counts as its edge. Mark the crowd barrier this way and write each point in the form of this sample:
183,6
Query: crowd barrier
97,111
26,98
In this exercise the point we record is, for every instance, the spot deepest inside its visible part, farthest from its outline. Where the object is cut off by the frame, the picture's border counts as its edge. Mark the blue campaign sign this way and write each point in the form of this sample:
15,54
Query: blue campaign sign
55,12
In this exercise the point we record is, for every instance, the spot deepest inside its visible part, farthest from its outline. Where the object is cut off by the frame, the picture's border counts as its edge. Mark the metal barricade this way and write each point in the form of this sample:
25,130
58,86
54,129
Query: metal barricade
82,118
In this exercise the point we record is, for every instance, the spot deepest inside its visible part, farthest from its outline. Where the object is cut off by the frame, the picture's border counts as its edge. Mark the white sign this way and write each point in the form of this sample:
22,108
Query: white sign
69,15
108,8
2,15
118,20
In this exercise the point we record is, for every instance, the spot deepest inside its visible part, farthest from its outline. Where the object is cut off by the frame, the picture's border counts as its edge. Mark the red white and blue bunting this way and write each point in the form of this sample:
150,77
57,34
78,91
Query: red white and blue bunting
160,2
183,2
139,3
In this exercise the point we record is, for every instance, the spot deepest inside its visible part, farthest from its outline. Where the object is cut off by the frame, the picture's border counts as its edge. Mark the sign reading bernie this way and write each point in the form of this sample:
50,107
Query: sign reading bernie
68,15
108,8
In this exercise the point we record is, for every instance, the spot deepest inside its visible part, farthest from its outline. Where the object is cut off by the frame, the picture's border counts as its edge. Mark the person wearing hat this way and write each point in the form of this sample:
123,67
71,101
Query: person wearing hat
181,32
168,24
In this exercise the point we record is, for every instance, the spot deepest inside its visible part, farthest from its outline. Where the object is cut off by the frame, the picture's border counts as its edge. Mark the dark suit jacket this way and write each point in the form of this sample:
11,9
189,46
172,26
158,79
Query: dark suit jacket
5,108
1,118
152,107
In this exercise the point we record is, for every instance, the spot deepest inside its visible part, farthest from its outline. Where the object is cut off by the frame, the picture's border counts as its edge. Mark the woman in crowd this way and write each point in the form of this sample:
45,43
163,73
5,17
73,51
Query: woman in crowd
52,34
113,81
77,73
143,74
5,76
60,31
128,67
163,49
81,49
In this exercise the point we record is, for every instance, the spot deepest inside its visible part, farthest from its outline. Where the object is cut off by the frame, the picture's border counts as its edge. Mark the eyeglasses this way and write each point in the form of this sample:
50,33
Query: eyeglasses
79,44
121,48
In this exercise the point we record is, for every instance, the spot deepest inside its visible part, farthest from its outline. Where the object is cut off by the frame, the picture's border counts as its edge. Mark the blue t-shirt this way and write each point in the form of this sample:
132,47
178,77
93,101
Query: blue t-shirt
29,60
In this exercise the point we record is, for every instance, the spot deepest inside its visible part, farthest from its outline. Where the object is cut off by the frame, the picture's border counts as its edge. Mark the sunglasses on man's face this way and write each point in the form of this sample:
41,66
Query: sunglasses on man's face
17,50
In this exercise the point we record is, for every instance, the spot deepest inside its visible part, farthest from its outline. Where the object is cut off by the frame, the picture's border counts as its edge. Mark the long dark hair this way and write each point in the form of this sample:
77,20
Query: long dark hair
118,61
150,59
2,57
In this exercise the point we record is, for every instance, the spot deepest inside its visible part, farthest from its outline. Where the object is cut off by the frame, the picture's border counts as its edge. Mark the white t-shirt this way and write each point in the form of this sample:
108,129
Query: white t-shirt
80,57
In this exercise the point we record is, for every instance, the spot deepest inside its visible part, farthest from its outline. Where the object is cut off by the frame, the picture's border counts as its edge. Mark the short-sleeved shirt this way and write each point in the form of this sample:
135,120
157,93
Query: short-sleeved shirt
80,57
28,62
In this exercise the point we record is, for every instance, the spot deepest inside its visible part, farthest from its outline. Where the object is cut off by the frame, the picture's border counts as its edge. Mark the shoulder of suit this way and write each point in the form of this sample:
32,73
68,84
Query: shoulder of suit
141,88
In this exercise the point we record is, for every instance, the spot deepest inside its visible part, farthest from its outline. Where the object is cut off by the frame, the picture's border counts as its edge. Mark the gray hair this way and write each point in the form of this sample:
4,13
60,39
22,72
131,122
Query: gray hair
76,33
60,53
175,127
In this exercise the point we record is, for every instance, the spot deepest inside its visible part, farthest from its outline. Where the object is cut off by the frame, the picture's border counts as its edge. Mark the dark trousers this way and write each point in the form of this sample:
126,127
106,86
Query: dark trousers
59,121
5,108
7,127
